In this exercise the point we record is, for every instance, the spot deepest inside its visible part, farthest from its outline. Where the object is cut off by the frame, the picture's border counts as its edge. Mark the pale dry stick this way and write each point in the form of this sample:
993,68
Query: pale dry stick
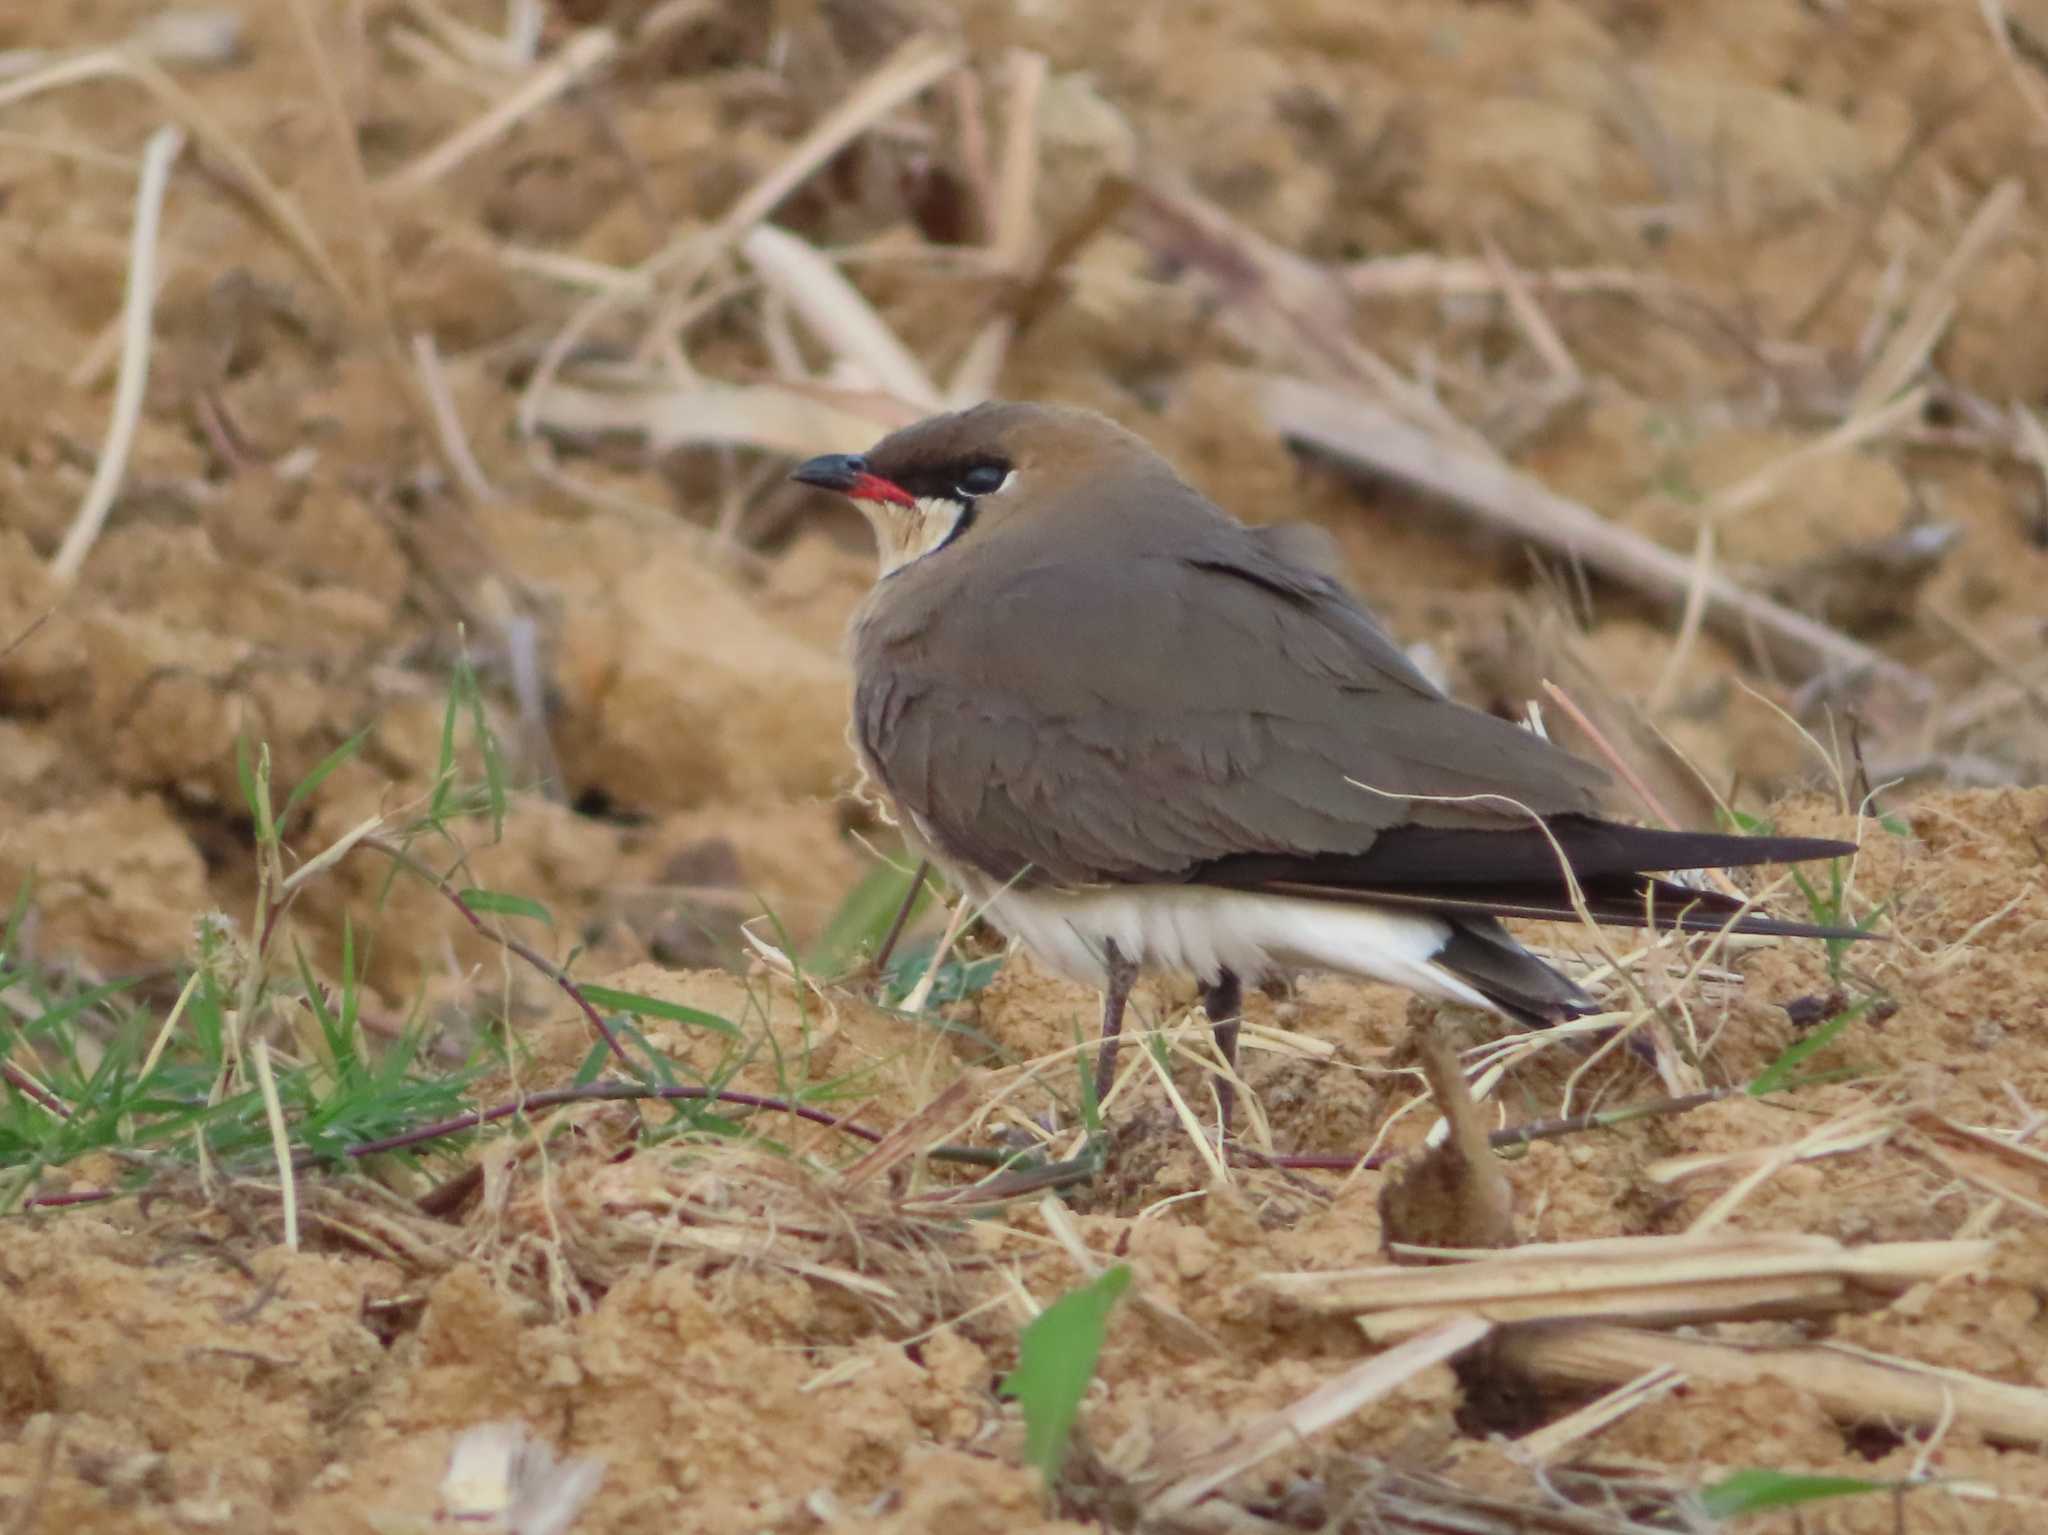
573,63
280,1141
1980,645
1932,308
570,271
1690,620
1829,760
84,154
900,77
912,68
971,147
243,176
1060,1226
158,156
426,357
1310,303
785,355
2000,26
838,313
1879,420
421,51
1357,432
473,45
1956,951
1846,1127
1433,276
1017,172
1331,1403
2031,438
777,418
1851,1384
1013,234
1535,325
921,994
1553,1439
102,355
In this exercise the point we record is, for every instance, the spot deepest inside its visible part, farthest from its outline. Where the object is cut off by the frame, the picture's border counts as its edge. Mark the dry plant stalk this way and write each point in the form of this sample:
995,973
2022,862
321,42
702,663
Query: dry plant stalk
1355,431
1247,1444
2001,1168
1852,1386
1652,1280
719,1209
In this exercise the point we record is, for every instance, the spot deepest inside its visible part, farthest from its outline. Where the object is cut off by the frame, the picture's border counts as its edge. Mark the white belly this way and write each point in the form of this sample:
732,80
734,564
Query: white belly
1201,931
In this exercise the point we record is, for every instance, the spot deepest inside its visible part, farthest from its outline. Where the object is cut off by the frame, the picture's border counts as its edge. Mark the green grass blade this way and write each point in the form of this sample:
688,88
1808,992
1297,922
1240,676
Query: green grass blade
321,771
1056,1357
606,999
1775,1076
1757,1491
498,903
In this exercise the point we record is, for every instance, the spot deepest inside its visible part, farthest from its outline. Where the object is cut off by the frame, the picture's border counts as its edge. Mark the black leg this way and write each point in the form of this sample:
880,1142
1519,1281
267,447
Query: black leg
1223,1001
1122,974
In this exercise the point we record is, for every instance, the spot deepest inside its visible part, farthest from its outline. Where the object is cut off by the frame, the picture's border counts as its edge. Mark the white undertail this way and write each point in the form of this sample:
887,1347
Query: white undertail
1202,931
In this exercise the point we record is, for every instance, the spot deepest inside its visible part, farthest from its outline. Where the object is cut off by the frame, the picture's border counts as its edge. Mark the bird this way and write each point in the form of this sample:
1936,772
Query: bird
1143,735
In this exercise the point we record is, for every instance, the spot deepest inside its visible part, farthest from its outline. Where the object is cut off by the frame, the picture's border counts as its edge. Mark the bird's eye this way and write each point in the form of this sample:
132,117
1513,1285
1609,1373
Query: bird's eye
983,480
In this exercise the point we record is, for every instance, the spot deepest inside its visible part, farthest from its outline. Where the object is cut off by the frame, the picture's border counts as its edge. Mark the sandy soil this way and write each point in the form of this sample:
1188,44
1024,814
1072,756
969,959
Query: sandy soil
1724,216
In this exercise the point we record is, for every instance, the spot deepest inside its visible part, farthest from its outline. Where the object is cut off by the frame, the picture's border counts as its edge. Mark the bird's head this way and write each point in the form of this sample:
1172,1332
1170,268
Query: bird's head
951,480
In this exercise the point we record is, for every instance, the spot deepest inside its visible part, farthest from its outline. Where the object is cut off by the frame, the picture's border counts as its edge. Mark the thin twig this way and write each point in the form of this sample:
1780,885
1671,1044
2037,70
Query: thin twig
426,357
902,920
581,56
33,1090
158,156
1357,432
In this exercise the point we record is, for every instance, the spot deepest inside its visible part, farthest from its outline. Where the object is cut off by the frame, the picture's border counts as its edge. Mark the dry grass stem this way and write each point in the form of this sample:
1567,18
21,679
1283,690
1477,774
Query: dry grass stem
1535,325
242,174
1661,1281
1553,1440
1853,1387
577,59
1882,419
1313,310
455,448
1935,304
1247,1445
1990,1163
912,68
1357,432
838,314
280,1141
138,307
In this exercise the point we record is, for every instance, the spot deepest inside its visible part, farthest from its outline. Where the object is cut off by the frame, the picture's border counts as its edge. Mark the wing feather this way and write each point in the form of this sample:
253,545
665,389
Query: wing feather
1072,721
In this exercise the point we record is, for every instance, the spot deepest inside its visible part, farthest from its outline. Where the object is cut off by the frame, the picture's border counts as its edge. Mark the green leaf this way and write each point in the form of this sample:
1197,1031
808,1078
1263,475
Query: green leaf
1895,824
500,904
606,998
321,771
255,791
1056,1357
1774,1077
593,1063
1756,1491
